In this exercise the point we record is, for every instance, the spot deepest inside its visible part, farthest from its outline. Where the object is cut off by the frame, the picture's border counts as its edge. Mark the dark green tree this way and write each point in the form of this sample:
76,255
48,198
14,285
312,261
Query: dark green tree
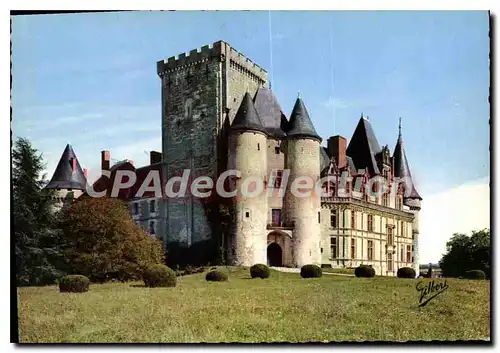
465,253
34,220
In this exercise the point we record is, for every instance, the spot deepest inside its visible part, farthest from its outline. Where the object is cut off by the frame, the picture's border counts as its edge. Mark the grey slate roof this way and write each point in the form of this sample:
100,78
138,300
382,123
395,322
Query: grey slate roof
364,146
401,168
270,112
300,124
324,161
64,177
247,118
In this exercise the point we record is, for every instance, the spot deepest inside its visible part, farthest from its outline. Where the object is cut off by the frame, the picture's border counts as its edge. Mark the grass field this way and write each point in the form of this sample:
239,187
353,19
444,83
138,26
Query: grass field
281,308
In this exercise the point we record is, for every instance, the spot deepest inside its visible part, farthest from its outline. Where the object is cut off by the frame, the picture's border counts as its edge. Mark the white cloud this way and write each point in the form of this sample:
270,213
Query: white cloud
457,210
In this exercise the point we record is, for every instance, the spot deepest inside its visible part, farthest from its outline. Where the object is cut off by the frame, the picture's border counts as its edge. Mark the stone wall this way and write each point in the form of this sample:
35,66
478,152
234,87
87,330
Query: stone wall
302,158
250,235
199,92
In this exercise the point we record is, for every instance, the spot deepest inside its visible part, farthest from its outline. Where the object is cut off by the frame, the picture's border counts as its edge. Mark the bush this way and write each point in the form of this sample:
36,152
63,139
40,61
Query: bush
159,276
216,276
406,272
104,223
260,271
364,271
311,271
475,274
74,284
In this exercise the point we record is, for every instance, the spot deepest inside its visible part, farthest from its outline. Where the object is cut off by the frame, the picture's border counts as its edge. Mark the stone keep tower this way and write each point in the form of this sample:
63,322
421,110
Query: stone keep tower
413,199
302,147
200,95
248,155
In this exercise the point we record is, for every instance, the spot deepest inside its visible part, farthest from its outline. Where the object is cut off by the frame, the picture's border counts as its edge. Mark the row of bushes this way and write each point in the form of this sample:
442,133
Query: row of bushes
163,276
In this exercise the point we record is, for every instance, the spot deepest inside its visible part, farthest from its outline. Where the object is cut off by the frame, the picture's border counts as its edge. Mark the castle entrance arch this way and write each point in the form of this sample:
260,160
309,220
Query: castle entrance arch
274,255
279,244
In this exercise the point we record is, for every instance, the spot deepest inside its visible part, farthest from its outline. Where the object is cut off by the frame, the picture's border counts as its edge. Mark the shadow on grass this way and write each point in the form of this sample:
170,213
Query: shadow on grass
138,285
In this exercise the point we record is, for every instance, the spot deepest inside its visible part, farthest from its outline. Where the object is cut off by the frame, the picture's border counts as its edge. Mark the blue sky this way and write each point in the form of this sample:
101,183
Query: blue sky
90,79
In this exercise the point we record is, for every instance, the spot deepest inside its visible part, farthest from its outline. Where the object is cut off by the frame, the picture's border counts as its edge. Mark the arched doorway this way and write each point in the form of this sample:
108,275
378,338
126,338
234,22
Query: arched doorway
274,255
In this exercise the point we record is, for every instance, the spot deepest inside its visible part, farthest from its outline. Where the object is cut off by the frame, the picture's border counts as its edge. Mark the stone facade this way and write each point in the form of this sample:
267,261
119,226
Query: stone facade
200,94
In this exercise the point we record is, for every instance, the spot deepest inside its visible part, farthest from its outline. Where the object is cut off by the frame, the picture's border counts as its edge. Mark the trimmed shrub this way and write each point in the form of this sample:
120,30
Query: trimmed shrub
74,284
260,271
364,271
216,276
311,271
475,274
406,272
159,276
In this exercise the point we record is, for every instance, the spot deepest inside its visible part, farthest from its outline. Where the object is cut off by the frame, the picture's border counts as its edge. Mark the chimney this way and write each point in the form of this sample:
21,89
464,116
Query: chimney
336,146
73,163
85,172
154,157
105,159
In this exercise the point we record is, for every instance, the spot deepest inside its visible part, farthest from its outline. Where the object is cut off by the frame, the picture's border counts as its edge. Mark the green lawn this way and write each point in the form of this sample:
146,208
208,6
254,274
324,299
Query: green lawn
345,271
281,308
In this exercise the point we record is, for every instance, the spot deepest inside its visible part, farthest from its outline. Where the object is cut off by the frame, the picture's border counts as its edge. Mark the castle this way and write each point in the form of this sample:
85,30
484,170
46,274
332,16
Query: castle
219,114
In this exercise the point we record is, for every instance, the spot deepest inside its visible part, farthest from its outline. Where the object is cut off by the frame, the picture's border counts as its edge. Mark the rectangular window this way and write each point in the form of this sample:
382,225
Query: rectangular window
370,249
277,181
385,199
135,208
389,262
347,189
353,219
276,217
402,253
152,206
390,238
370,223
408,253
319,217
353,248
403,229
333,219
333,247
152,229
277,150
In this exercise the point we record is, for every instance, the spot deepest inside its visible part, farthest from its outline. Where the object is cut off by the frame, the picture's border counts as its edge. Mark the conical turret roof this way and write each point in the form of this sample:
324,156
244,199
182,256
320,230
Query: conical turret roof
300,124
364,146
64,176
401,168
246,118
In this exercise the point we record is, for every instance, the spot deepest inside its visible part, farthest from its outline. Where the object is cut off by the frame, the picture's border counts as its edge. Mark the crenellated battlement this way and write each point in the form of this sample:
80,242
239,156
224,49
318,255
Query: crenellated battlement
220,50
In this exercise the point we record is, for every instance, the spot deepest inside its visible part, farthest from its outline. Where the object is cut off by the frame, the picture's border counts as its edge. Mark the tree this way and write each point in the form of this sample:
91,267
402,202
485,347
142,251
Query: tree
102,241
34,222
465,253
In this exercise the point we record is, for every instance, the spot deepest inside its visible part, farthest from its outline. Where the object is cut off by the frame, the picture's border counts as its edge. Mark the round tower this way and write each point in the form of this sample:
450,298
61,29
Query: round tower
302,159
69,180
411,198
248,155
414,204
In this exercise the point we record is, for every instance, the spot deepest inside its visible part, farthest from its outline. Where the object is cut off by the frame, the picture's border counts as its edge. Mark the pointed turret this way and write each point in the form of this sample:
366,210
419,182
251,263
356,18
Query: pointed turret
68,173
401,169
364,146
300,124
246,118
